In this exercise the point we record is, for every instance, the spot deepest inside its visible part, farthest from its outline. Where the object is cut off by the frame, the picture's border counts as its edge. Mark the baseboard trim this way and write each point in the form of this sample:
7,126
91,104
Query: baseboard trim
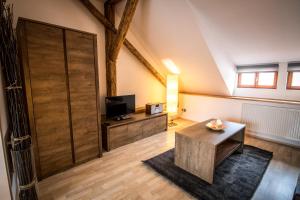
274,138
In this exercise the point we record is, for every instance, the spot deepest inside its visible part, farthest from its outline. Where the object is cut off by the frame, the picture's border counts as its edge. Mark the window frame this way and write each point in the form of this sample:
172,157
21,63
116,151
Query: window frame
274,86
289,81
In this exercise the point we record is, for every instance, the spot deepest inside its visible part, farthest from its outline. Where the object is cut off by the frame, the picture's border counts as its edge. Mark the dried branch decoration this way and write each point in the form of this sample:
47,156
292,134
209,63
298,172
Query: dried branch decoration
20,132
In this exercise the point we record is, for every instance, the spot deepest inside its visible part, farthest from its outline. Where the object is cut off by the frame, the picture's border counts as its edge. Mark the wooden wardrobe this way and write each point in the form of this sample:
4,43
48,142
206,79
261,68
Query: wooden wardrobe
60,71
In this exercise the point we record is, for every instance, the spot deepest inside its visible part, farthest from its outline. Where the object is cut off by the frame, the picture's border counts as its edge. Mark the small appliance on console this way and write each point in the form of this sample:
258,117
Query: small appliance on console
120,107
154,108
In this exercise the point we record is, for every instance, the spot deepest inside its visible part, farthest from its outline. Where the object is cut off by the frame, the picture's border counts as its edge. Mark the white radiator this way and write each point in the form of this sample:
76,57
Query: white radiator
277,123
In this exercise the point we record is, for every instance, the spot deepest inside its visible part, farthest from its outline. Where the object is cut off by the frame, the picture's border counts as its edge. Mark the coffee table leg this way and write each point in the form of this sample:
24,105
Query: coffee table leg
240,137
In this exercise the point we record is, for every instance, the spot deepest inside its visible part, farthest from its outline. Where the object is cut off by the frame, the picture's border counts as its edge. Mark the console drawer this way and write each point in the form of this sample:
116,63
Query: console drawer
117,136
154,125
125,134
139,126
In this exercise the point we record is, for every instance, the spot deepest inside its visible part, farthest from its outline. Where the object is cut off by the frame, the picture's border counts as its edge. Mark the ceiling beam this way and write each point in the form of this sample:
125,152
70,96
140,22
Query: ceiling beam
111,76
123,29
112,1
115,43
128,44
145,62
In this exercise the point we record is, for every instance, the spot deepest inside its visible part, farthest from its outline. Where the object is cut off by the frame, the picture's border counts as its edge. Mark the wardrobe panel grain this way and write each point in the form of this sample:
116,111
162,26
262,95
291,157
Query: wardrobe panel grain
46,65
82,77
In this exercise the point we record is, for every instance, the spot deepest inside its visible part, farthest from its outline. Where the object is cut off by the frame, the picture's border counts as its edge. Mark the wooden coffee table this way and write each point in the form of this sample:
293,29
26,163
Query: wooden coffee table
199,150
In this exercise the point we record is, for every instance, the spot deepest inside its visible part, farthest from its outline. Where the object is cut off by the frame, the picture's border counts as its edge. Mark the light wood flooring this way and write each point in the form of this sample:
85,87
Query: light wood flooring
120,174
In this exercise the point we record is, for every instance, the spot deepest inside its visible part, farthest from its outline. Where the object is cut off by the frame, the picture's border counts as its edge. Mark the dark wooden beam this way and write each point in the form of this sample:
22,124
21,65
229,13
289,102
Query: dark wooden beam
115,43
123,28
109,12
145,62
128,44
111,83
112,2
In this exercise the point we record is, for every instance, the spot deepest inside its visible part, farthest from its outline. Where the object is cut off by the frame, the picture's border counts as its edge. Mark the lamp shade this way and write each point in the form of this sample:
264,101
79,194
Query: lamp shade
172,93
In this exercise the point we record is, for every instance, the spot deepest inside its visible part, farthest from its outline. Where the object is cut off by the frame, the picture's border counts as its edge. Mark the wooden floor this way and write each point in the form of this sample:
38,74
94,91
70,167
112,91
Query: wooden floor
120,174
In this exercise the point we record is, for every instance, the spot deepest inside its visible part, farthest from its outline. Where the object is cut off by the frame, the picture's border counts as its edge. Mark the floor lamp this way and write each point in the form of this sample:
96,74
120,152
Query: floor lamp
172,97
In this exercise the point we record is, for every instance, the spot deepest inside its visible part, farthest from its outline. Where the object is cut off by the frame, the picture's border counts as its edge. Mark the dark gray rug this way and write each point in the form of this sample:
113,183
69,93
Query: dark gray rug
237,177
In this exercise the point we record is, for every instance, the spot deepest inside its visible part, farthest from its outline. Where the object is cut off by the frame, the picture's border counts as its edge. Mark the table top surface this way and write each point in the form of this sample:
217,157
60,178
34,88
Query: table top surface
200,132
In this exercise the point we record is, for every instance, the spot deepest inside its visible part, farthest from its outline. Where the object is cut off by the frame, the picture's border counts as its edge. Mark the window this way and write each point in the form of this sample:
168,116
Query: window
293,81
267,79
258,76
247,79
258,80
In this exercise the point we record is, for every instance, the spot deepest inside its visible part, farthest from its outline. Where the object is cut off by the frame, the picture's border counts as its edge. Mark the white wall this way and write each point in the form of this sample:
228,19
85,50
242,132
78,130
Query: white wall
4,187
132,78
280,93
201,108
3,108
72,14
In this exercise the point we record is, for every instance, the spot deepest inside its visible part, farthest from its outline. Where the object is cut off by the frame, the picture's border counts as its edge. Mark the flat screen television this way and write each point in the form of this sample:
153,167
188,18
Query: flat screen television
120,106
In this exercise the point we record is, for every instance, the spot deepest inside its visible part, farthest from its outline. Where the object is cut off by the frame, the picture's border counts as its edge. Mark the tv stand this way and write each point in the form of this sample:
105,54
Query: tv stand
122,117
116,133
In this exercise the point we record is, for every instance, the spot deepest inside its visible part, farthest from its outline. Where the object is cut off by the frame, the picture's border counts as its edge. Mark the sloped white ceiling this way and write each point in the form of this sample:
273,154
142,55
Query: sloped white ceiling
206,39
256,31
169,30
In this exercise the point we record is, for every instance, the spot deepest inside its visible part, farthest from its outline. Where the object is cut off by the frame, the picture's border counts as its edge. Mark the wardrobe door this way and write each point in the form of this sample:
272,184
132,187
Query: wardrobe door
46,74
83,84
